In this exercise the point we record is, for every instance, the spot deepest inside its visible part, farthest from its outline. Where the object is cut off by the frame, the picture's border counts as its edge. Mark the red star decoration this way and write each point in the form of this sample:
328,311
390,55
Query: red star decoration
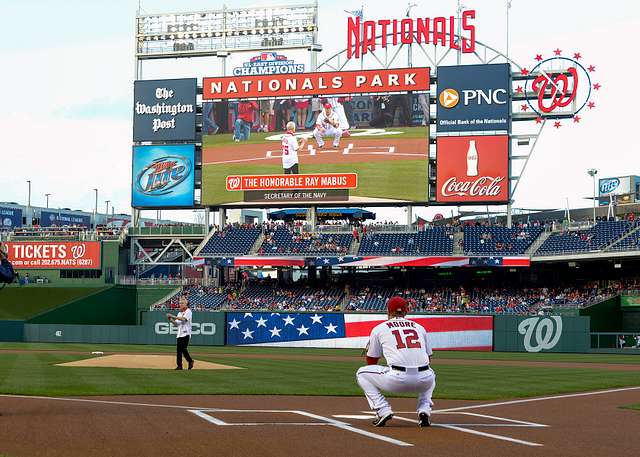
557,124
524,72
596,86
576,118
577,55
538,57
591,105
524,107
519,90
538,120
591,68
558,51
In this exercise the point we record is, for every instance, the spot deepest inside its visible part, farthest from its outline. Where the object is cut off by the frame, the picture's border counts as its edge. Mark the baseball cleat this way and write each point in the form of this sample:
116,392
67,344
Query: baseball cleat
191,364
424,420
336,146
380,421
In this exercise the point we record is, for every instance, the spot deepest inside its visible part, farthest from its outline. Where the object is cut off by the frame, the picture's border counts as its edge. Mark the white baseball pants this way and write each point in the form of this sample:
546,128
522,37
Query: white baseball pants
329,131
374,378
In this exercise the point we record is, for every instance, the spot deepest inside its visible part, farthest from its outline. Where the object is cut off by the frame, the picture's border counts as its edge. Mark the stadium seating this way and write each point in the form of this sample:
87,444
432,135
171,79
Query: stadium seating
299,298
283,240
232,241
632,242
434,241
499,240
593,239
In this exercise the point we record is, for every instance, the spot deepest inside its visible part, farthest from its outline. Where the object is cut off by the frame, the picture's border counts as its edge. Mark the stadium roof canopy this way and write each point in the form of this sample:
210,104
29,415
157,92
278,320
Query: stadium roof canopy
322,214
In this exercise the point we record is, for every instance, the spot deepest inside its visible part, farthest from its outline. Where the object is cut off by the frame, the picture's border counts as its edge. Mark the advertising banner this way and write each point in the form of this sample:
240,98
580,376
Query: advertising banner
59,219
269,63
84,255
10,218
622,189
164,109
308,84
541,334
474,98
163,176
337,330
473,169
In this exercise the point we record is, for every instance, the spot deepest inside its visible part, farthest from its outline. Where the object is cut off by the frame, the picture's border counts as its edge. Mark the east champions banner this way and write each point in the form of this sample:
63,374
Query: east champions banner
84,255
309,84
163,176
474,98
338,330
473,169
164,110
49,218
10,218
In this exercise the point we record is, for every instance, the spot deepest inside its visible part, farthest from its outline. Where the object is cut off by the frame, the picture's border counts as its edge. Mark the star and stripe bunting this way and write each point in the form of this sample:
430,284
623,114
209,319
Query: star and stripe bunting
373,261
352,330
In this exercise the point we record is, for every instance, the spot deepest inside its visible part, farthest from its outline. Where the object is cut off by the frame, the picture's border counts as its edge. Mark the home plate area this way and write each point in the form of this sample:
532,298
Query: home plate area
481,425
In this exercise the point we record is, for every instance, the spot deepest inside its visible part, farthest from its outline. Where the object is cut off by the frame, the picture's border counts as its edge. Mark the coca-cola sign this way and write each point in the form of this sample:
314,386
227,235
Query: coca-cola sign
473,169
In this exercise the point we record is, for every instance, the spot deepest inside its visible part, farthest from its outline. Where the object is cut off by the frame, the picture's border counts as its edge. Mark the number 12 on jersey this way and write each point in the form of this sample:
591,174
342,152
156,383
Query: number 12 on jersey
408,339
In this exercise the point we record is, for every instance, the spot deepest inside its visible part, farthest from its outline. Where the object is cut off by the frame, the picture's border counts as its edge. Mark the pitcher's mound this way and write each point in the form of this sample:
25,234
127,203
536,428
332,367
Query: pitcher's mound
159,362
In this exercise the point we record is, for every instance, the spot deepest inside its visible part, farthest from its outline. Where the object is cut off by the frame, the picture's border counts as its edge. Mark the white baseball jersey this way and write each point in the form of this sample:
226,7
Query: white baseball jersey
402,342
289,150
184,327
323,120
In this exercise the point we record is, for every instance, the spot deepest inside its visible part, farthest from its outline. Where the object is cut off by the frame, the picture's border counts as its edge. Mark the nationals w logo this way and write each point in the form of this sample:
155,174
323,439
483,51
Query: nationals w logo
541,333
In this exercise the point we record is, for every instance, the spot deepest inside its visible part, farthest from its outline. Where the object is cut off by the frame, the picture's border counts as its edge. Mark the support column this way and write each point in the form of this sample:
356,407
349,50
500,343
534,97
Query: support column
207,218
409,215
312,218
509,223
223,217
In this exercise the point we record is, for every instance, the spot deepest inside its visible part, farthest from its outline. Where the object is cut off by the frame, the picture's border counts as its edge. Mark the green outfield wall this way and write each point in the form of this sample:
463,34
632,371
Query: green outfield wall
541,334
11,330
208,330
605,316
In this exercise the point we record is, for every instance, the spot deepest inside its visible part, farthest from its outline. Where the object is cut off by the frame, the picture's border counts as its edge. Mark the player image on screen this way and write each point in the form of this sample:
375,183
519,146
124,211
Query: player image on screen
290,147
327,124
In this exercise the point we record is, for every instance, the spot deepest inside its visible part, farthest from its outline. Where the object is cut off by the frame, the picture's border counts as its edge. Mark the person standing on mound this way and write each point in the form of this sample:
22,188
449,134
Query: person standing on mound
183,322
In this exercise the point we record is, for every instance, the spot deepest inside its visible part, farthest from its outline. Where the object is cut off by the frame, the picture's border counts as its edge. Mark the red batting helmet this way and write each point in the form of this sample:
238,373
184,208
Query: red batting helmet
397,304
327,105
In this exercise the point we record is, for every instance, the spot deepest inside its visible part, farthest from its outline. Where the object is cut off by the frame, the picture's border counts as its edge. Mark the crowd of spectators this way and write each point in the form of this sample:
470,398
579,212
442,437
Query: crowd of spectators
268,295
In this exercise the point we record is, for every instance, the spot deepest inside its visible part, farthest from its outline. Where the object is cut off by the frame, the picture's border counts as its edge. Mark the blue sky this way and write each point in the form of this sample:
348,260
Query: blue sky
67,77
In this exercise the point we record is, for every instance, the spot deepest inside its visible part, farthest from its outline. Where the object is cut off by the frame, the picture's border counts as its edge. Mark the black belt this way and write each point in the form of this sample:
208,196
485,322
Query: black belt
422,368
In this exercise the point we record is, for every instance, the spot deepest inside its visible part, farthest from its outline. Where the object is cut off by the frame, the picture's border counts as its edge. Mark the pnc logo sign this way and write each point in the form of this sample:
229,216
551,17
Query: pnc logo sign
541,333
204,328
449,98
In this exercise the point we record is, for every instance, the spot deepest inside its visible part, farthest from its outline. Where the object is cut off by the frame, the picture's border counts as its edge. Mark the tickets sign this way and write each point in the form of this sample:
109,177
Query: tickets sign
309,84
63,255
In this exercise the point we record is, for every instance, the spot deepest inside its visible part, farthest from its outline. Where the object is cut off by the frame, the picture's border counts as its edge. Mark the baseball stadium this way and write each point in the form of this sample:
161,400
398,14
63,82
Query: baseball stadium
343,259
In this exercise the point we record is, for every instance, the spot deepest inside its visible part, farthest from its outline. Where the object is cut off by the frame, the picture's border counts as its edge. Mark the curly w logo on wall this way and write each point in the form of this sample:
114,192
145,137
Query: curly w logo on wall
541,333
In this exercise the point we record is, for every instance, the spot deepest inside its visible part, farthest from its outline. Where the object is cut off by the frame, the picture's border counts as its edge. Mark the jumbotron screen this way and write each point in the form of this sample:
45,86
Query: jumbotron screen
318,148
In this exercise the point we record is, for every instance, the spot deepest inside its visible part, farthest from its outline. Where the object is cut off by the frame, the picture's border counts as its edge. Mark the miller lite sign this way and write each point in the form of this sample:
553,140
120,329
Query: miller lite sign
163,176
473,169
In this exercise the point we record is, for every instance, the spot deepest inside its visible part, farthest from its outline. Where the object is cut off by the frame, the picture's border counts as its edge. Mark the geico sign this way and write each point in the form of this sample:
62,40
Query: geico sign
479,96
204,328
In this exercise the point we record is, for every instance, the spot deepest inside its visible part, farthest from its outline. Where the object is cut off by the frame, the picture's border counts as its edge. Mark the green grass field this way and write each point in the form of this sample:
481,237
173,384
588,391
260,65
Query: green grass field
635,406
19,303
398,179
33,372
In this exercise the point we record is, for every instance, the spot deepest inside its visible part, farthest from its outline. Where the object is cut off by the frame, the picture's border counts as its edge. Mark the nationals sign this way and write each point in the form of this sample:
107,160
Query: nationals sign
55,254
322,83
473,169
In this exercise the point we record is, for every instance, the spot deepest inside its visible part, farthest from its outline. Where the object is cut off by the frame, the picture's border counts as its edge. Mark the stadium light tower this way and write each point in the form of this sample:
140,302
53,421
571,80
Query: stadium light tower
95,210
47,195
593,172
30,218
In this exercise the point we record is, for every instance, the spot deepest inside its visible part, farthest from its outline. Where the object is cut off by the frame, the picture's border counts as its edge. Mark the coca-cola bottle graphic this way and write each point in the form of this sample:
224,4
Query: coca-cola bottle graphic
472,159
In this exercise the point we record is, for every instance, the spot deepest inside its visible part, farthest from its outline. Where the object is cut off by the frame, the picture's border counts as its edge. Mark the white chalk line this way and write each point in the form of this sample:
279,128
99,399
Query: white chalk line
462,428
273,156
325,421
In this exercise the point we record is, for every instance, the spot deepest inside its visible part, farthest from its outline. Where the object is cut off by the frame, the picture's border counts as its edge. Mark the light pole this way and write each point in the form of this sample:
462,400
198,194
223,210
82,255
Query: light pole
47,195
29,217
593,172
95,210
106,212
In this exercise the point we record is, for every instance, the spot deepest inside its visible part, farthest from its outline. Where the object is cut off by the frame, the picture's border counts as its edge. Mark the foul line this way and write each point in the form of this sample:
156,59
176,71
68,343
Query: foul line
529,400
461,428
